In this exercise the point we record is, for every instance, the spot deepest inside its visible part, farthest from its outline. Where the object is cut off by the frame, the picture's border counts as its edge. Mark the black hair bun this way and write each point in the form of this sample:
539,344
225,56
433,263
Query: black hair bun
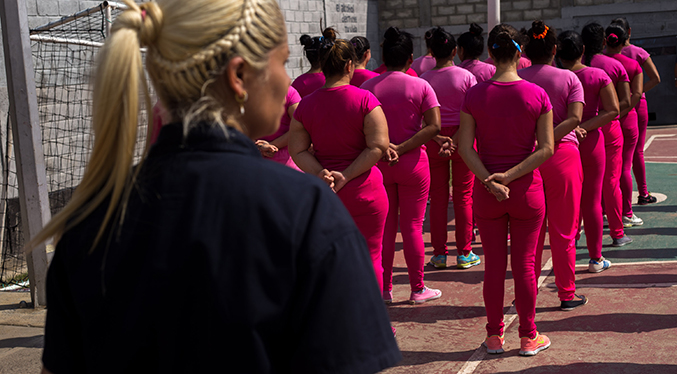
393,33
538,27
329,33
476,29
306,40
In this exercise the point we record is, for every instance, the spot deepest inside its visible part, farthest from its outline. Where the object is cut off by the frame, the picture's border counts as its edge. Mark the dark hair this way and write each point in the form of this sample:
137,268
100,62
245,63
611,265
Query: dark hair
428,37
442,43
542,39
621,21
472,42
502,42
570,46
593,39
311,45
361,45
616,35
397,48
335,54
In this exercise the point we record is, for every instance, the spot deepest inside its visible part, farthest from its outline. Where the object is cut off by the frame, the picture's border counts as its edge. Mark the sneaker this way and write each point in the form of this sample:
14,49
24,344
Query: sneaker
632,221
621,241
426,294
494,344
599,266
394,331
644,200
465,262
439,261
573,304
529,347
388,297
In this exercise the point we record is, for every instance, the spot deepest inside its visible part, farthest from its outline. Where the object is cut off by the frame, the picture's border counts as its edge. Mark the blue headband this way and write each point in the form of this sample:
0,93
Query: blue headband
496,46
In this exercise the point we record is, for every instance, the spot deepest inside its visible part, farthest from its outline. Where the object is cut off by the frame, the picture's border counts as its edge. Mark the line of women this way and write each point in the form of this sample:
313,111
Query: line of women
540,149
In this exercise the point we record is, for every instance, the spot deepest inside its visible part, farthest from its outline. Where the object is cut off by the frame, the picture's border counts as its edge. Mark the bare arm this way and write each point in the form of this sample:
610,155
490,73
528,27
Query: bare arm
609,103
623,92
432,126
636,93
652,73
283,140
574,115
299,142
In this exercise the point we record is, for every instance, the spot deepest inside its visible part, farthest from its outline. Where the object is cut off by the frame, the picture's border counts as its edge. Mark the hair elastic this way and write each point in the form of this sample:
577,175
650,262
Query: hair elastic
496,46
143,15
610,35
543,34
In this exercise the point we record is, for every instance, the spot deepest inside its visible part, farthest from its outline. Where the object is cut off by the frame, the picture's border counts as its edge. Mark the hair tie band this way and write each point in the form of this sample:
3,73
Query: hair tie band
143,15
321,38
517,46
612,34
495,46
446,41
543,34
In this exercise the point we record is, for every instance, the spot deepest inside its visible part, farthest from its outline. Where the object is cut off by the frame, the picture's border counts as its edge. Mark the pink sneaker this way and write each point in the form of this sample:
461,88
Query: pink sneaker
529,347
394,331
424,295
494,344
388,297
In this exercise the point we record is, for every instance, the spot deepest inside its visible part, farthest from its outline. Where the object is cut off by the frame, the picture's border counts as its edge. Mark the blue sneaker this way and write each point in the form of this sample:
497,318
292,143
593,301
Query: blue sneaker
598,266
465,262
439,261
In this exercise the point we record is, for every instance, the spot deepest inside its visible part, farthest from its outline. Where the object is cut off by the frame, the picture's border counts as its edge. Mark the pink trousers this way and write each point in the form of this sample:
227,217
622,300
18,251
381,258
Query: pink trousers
638,167
630,139
282,157
524,212
611,190
367,202
461,181
406,184
563,183
593,160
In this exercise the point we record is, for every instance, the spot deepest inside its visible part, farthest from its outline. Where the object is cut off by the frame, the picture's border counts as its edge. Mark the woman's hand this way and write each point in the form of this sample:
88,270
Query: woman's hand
327,178
339,180
391,157
501,192
501,178
581,134
266,149
447,146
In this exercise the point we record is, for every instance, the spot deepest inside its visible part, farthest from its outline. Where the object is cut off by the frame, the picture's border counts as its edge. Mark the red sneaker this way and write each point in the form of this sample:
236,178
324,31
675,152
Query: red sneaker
494,344
532,346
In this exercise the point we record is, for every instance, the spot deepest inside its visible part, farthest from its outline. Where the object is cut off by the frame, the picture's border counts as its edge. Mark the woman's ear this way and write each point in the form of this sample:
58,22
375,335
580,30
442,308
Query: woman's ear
236,75
453,52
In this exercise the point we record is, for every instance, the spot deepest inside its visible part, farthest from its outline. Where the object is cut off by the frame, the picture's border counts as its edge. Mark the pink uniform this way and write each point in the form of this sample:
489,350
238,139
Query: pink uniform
450,85
613,146
334,119
481,70
593,160
158,111
514,108
282,155
630,136
307,83
562,177
423,64
382,69
362,75
404,100
521,64
640,55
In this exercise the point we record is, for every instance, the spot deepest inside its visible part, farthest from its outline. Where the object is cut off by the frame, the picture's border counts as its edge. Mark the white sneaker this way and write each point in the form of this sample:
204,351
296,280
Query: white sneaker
632,221
598,266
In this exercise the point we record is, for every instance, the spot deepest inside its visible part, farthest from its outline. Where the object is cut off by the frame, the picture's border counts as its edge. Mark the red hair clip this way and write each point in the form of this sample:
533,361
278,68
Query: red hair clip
543,34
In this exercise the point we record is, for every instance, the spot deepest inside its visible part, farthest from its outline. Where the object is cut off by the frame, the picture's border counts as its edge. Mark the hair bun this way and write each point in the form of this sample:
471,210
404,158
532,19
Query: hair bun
329,33
476,29
393,33
306,40
612,39
538,27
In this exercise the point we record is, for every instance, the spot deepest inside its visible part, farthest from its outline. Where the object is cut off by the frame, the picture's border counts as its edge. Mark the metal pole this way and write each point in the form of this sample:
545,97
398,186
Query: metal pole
30,160
109,19
493,13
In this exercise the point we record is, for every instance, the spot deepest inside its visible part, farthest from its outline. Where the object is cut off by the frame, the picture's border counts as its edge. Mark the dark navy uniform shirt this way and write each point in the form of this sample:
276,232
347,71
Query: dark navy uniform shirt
225,262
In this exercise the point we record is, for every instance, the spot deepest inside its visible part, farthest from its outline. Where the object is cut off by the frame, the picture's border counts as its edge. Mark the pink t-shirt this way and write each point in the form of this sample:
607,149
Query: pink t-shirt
382,69
638,54
613,68
631,67
563,88
450,85
307,83
506,114
404,100
292,98
334,119
423,64
521,64
592,80
481,70
362,75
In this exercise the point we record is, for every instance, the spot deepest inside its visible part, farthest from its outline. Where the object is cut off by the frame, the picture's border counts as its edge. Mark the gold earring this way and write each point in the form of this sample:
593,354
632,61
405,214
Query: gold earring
241,100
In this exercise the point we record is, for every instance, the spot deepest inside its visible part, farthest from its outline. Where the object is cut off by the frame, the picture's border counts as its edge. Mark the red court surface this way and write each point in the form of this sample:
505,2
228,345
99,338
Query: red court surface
629,325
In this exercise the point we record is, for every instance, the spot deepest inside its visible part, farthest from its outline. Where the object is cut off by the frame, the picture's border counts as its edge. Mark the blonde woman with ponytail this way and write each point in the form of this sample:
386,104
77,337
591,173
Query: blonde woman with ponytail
203,240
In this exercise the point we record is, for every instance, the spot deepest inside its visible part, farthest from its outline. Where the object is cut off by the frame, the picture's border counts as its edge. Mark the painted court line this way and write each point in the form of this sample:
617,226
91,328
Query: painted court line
481,352
654,137
635,263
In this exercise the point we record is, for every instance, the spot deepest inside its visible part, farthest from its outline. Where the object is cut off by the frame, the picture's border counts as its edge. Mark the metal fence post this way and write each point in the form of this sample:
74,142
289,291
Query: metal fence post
30,160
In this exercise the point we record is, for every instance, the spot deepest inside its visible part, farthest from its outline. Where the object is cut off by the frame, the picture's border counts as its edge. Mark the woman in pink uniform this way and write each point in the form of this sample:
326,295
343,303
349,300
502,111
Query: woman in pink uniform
594,41
450,84
644,59
349,134
406,101
363,53
427,61
470,47
523,62
601,108
275,146
510,192
562,173
616,37
313,79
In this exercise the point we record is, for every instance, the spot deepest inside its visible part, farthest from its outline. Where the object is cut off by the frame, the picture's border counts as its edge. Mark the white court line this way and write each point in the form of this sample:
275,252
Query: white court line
636,263
481,352
628,285
653,137
660,156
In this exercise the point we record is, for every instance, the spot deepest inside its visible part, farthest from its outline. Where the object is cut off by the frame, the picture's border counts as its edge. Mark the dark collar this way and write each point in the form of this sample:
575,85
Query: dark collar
203,137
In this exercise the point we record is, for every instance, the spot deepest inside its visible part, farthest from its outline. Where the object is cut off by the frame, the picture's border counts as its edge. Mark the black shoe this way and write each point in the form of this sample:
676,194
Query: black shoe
575,303
644,200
